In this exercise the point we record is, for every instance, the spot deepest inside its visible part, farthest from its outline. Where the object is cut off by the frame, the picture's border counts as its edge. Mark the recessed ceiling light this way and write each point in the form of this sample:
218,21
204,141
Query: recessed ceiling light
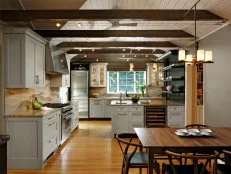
79,25
85,55
93,50
97,60
80,49
58,25
124,49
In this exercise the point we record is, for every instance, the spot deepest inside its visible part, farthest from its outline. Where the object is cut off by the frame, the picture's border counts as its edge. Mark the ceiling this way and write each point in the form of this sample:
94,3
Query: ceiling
106,44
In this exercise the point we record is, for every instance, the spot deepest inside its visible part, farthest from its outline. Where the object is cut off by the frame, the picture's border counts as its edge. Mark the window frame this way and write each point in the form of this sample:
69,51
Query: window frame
134,78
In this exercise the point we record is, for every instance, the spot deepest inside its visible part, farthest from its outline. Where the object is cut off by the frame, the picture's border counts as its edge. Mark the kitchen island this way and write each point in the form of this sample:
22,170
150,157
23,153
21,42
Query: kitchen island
157,113
35,134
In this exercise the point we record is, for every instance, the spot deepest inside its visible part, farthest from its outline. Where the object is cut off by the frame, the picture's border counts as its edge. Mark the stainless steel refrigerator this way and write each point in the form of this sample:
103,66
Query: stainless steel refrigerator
79,91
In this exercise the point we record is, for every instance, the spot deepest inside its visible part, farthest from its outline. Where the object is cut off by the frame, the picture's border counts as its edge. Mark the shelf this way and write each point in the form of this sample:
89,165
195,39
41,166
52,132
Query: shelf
173,66
173,92
168,79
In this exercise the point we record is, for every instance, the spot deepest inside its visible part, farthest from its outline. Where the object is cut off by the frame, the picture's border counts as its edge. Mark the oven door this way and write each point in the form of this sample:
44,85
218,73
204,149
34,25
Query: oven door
66,127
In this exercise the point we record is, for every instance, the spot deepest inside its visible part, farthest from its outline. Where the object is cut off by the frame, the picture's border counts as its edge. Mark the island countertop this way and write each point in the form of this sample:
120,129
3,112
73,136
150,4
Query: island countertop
148,103
33,113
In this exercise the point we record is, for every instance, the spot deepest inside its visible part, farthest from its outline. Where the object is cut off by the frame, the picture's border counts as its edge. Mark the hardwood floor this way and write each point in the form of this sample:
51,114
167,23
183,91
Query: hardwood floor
89,150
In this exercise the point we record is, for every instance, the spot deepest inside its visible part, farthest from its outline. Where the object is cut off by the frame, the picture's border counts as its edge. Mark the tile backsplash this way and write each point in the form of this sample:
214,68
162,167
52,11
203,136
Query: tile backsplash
17,99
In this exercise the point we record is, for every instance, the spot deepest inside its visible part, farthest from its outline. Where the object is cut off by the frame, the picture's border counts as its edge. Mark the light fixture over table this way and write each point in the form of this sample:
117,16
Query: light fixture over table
200,56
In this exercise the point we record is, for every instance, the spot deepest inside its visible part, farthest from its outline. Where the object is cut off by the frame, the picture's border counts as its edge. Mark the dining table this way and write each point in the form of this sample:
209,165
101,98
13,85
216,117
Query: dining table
158,140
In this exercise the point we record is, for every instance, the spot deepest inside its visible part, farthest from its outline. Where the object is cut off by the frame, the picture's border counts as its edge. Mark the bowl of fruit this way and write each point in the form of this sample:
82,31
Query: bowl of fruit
135,98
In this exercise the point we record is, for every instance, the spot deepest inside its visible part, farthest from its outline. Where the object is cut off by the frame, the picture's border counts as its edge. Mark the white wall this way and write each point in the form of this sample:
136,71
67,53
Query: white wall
217,80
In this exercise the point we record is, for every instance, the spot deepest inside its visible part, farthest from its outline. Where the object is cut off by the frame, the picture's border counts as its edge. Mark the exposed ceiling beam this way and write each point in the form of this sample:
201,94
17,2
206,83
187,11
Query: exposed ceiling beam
115,33
116,44
115,57
152,15
115,51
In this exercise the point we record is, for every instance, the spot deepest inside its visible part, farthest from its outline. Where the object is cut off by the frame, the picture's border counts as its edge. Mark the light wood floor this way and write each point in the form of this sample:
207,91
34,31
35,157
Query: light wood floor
89,150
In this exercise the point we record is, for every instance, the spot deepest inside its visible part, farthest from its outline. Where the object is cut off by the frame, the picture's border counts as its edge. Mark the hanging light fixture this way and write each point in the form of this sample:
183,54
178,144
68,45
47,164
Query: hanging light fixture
200,56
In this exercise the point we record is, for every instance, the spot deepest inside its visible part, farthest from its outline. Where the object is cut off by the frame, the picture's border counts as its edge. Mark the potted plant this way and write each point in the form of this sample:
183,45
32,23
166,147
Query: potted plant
142,88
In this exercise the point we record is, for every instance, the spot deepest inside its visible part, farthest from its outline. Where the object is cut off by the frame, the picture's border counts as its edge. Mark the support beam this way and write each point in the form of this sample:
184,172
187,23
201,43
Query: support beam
120,51
116,44
151,15
115,33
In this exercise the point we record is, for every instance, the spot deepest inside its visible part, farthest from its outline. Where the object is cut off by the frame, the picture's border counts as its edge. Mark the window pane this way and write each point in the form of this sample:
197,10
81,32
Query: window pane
126,81
112,82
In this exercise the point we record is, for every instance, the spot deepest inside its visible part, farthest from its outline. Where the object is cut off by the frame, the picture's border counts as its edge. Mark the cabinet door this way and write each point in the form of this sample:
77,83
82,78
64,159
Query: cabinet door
176,116
39,64
93,76
121,122
97,109
135,125
102,75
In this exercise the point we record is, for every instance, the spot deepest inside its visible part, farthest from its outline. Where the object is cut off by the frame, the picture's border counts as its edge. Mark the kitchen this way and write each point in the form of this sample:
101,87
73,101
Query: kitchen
215,111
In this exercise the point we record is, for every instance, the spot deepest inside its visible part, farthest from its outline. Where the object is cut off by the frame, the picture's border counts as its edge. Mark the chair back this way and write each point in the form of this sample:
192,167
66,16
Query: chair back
198,126
126,142
227,157
194,158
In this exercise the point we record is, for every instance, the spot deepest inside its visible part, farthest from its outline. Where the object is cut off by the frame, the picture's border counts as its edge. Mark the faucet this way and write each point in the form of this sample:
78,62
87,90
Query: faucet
121,97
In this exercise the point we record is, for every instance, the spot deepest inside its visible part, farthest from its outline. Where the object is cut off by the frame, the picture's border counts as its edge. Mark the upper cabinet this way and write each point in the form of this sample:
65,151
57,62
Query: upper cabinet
24,53
98,75
155,74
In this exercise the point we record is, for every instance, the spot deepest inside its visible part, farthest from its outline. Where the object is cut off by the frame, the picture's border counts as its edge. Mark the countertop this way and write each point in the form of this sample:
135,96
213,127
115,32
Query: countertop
125,98
4,139
150,103
33,113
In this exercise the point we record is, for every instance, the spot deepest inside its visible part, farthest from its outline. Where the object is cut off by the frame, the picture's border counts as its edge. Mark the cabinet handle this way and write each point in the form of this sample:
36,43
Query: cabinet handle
37,79
51,124
51,117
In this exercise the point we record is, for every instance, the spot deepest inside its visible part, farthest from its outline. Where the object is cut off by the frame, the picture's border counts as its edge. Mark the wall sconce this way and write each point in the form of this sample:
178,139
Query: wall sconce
131,67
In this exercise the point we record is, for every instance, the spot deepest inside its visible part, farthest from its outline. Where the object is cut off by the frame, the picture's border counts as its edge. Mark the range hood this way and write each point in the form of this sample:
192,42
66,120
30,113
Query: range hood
56,61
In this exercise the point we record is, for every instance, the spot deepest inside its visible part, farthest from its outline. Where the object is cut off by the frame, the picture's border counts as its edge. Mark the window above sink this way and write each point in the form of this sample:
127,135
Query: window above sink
122,81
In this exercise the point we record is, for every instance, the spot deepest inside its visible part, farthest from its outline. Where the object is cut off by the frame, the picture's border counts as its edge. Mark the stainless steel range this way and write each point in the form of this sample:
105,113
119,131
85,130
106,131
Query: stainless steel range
66,118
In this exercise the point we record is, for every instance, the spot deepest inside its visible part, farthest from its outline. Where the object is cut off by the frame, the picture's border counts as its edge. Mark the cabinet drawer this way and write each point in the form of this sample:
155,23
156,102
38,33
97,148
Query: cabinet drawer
135,125
136,108
50,117
136,117
121,108
50,143
121,114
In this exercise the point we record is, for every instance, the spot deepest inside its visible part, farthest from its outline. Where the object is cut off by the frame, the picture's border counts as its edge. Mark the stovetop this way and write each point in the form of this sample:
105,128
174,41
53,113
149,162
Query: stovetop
56,105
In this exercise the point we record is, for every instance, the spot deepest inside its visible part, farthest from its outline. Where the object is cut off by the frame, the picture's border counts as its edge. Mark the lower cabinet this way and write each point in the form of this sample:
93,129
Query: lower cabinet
75,117
176,116
97,108
126,118
33,139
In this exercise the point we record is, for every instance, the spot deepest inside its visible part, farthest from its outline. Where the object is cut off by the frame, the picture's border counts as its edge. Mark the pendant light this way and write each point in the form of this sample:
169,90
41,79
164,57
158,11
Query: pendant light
200,56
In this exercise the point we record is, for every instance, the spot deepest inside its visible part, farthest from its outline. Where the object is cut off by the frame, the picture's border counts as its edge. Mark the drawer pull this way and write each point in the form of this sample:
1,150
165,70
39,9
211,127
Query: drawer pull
51,117
51,124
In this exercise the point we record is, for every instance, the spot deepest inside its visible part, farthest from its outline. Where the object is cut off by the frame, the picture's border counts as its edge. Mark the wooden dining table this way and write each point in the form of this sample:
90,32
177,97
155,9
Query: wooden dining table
158,140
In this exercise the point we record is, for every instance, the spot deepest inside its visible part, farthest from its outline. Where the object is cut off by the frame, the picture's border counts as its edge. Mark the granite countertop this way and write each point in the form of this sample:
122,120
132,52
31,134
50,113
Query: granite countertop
4,139
33,113
149,103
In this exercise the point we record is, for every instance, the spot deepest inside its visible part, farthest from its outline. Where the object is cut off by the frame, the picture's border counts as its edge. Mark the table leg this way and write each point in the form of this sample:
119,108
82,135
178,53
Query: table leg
150,160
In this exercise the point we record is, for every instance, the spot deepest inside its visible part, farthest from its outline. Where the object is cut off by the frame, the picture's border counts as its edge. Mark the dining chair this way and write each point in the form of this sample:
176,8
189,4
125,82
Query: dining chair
194,168
133,154
197,126
225,168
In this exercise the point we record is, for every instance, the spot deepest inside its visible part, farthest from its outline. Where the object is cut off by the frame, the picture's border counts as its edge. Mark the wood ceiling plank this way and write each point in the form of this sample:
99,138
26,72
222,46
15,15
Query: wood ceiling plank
116,44
155,15
115,33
